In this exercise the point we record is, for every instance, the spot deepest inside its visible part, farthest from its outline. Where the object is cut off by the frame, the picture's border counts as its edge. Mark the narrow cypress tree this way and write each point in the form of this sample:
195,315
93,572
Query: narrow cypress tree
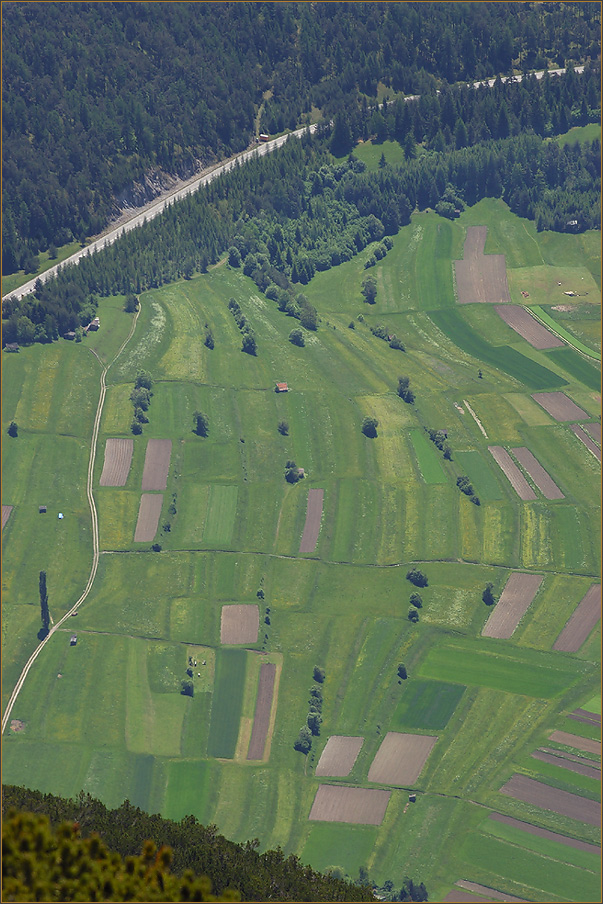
44,602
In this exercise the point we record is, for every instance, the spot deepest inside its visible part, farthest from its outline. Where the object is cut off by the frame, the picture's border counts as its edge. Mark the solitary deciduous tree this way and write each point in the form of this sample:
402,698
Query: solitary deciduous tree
13,429
402,673
369,289
318,674
487,595
296,337
201,423
283,428
415,600
188,688
416,577
45,613
369,426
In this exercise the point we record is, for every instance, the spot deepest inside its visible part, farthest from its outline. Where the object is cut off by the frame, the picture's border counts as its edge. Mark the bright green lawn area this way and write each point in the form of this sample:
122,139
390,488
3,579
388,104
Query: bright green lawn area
428,458
577,366
346,846
231,666
476,466
531,674
370,152
593,705
556,850
221,511
581,134
426,704
190,789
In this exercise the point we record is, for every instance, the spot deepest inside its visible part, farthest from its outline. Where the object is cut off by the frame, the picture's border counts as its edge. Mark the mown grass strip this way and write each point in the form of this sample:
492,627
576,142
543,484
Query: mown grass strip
572,362
228,700
427,458
545,318
221,511
475,466
507,359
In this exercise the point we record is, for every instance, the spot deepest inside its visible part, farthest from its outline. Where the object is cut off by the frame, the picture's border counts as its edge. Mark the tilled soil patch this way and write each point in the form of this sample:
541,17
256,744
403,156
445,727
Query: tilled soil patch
491,893
521,787
263,706
6,510
585,438
118,458
595,431
240,623
575,741
313,516
528,327
512,473
559,406
462,897
480,278
592,717
544,833
543,481
156,464
339,756
518,593
364,806
148,517
400,758
570,765
571,756
580,624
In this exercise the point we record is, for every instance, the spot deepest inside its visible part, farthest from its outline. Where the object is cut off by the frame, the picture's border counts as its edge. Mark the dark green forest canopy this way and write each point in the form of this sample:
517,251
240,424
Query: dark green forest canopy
268,876
96,95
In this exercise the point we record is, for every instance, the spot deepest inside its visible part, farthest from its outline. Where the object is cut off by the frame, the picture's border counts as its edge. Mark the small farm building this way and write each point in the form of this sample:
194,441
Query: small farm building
282,387
264,137
42,510
73,640
94,324
11,347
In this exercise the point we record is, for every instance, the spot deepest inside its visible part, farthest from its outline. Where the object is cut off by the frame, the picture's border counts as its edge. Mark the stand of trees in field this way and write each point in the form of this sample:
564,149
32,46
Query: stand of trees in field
102,100
270,876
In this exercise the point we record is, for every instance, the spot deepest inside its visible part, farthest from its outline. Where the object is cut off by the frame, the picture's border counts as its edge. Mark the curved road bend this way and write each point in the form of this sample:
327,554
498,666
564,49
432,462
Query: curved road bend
154,208
95,536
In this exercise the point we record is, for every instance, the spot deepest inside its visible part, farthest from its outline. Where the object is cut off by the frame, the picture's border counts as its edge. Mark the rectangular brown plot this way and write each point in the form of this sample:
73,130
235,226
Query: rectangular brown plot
518,593
544,833
336,803
148,517
400,758
581,621
491,893
586,440
239,623
116,466
312,526
462,897
594,429
512,473
559,406
579,768
530,463
339,756
481,278
575,741
6,510
263,707
527,326
521,787
156,464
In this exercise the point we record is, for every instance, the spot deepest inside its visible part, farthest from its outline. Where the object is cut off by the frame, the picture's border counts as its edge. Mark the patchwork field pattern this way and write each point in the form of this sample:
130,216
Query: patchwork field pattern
118,458
339,756
480,278
149,513
543,481
240,623
528,328
559,406
512,473
156,464
518,593
540,795
364,806
586,440
581,622
400,758
545,833
571,765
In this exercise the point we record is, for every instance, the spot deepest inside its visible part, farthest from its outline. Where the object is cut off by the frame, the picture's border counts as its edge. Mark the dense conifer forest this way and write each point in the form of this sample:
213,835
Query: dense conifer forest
96,95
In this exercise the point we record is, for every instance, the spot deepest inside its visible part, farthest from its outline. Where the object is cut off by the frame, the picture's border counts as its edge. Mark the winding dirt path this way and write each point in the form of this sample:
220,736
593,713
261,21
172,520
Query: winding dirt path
94,519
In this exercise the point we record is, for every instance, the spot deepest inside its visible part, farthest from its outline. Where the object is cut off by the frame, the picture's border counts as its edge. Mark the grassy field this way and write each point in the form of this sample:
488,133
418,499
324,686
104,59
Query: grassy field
116,723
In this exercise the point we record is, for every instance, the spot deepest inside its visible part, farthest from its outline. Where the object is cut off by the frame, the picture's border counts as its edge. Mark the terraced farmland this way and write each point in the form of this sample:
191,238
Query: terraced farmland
312,574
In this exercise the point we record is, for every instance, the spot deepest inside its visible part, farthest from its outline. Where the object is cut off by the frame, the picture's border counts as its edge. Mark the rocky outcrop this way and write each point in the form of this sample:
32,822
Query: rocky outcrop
153,184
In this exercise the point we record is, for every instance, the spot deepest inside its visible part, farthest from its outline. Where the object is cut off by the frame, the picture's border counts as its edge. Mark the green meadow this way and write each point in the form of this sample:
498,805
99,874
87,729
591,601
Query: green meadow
107,715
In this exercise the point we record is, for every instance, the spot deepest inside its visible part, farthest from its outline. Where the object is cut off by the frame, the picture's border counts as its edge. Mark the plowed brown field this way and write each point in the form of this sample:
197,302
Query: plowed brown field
512,473
585,438
559,406
239,623
595,431
581,622
263,706
400,759
148,517
118,458
335,803
339,756
518,593
575,741
540,795
313,515
491,893
544,833
6,510
156,464
570,765
480,278
528,328
530,463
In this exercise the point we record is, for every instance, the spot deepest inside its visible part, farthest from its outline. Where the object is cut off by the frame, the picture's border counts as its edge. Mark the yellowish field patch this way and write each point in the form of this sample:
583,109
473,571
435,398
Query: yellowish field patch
34,408
531,413
118,511
390,446
117,411
254,664
186,357
535,537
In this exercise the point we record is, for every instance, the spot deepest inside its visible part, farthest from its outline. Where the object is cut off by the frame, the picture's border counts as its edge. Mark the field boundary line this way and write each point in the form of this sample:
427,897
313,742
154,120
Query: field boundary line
95,535
561,335
475,417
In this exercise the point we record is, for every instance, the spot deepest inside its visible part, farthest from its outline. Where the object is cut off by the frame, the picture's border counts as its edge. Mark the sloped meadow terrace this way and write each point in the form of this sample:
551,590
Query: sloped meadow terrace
116,723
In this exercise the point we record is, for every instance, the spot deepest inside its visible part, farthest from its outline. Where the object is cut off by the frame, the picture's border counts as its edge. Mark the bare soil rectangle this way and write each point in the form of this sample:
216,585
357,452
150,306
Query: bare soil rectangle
543,481
595,431
595,718
263,706
313,516
521,787
400,758
518,593
580,623
559,406
148,517
364,806
575,741
480,278
491,893
156,464
475,242
512,473
579,768
544,833
528,327
462,897
116,466
339,756
6,510
571,756
240,623
585,438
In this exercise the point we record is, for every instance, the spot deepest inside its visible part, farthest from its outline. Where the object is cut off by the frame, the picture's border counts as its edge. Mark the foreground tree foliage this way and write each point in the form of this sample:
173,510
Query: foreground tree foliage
270,876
